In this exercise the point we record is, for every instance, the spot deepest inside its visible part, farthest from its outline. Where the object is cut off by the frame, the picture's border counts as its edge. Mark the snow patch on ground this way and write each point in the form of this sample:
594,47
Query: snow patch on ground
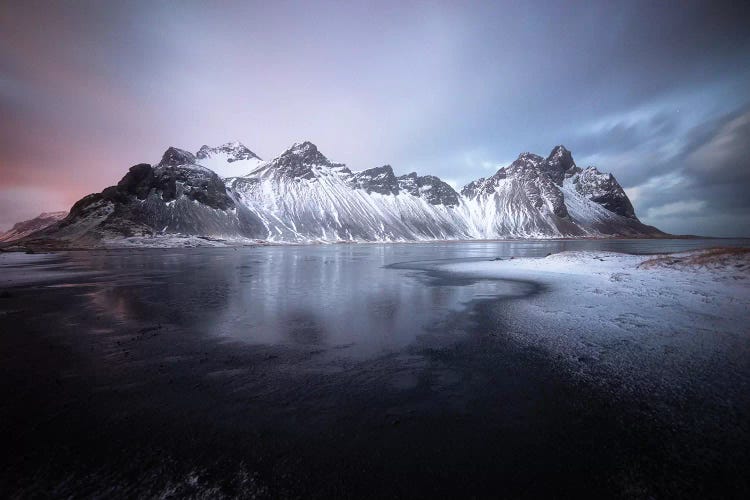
662,325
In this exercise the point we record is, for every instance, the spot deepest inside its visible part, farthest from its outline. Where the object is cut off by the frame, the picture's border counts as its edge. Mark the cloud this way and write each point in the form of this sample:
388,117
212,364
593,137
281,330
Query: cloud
725,156
677,208
705,188
89,88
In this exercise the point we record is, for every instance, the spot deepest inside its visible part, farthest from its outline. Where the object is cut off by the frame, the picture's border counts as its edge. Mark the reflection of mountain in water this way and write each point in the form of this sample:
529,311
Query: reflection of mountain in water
324,296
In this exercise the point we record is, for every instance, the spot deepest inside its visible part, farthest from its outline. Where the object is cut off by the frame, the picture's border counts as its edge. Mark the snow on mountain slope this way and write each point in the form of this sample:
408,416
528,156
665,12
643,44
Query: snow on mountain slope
232,159
535,197
27,227
301,196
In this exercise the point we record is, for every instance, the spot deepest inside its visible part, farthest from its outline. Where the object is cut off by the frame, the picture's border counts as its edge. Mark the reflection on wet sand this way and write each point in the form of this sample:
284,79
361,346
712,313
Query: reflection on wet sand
289,297
321,371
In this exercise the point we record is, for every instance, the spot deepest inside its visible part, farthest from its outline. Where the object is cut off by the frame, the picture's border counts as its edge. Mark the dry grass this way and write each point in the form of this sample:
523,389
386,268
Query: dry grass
719,257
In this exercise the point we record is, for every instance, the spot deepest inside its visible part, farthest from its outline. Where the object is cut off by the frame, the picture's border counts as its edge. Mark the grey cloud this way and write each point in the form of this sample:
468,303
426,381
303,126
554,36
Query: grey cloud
713,171
92,87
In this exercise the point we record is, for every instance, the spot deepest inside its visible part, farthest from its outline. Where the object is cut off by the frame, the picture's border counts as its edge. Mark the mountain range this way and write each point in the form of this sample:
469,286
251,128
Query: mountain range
227,193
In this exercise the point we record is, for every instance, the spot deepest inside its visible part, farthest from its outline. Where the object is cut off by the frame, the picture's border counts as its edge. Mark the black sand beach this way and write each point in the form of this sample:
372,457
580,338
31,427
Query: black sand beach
109,389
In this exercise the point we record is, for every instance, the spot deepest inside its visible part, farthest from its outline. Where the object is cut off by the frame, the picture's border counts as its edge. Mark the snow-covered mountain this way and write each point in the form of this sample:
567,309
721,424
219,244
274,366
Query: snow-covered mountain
302,196
25,228
542,197
175,196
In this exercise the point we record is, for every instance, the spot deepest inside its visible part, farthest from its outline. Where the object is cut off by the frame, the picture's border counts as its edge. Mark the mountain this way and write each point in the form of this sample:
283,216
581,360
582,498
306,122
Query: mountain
175,196
27,227
542,197
302,196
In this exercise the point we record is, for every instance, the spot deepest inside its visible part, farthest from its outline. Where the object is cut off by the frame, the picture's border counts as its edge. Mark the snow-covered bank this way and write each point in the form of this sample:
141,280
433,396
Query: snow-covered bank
667,325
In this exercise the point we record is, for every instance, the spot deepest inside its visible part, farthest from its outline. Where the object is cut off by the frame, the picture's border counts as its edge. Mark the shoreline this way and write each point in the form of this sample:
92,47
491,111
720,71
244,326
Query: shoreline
14,247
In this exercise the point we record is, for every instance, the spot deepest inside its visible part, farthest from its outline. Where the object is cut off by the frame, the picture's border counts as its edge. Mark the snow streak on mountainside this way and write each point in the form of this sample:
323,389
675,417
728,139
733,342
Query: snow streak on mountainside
301,196
27,227
538,197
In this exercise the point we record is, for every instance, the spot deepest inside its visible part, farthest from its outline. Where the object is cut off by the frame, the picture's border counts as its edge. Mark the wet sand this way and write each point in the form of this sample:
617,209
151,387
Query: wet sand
96,402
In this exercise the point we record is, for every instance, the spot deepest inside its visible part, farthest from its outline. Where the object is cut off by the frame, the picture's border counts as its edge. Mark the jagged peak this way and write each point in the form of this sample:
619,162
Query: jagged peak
378,179
234,150
410,175
176,156
301,160
385,169
529,156
561,158
307,152
558,150
299,148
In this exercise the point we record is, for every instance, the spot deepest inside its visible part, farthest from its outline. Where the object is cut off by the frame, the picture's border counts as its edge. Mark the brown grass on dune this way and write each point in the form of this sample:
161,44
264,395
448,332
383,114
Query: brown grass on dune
718,257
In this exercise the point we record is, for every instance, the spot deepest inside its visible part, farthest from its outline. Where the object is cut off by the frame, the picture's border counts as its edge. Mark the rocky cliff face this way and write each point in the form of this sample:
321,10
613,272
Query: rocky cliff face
604,190
430,188
302,196
377,180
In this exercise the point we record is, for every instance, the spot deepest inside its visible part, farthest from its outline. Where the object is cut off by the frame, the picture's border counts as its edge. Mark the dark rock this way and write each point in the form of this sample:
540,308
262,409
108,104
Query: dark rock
604,189
559,161
377,180
176,157
429,187
300,162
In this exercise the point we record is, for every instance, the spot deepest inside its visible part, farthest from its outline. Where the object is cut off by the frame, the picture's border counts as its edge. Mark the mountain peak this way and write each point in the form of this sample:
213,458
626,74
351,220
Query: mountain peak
302,149
603,188
379,180
307,153
233,151
559,150
301,161
529,158
175,156
559,161
523,162
561,156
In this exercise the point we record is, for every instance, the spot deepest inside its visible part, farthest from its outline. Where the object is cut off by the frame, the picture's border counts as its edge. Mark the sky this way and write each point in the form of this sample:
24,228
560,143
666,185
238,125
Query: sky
658,93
